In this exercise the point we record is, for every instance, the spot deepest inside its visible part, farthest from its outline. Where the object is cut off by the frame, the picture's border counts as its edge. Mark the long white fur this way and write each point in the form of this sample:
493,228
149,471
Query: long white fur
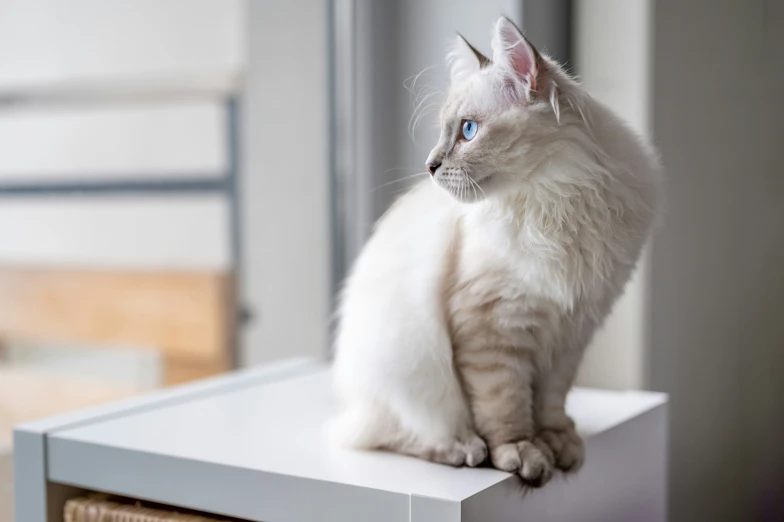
562,212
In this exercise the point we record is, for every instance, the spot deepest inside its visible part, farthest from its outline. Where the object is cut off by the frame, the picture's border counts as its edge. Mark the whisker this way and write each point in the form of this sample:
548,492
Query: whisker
421,108
416,77
424,106
399,191
413,131
424,93
399,168
476,184
414,97
399,180
423,99
420,113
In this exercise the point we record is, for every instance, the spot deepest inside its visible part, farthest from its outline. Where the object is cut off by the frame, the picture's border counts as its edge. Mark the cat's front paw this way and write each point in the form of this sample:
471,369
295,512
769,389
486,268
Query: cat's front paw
566,446
468,451
532,460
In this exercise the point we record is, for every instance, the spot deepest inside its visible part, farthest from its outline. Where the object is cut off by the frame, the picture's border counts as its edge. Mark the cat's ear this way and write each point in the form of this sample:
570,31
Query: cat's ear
515,57
464,59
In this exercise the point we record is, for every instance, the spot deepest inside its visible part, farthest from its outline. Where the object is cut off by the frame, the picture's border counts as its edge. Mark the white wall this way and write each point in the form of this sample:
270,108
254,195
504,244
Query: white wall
612,57
48,43
285,182
104,90
145,139
718,262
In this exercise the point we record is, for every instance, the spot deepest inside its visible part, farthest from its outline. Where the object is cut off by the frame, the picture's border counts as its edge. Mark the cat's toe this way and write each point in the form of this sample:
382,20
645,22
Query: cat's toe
471,451
476,451
506,457
451,455
532,461
537,463
567,448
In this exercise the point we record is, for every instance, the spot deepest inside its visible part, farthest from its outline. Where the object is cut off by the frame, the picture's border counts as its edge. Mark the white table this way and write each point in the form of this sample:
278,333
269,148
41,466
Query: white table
251,445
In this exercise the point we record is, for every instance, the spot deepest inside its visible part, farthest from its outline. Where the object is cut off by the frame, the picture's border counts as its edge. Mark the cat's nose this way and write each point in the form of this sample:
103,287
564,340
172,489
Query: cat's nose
432,167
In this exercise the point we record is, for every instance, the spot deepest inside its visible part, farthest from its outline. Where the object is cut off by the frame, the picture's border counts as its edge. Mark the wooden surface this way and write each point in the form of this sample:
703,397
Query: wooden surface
26,395
185,315
178,370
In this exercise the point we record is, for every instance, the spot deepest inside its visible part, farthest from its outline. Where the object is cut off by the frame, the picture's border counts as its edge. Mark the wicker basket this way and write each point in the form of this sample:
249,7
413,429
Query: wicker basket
103,508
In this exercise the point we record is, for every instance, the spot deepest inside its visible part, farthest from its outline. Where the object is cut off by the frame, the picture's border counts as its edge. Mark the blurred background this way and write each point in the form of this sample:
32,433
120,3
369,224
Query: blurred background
184,184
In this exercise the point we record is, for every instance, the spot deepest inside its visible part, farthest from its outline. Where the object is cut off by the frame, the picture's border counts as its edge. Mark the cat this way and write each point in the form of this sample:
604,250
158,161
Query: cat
468,311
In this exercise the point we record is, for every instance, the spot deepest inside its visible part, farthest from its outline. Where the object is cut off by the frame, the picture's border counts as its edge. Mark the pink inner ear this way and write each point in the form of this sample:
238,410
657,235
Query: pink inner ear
521,56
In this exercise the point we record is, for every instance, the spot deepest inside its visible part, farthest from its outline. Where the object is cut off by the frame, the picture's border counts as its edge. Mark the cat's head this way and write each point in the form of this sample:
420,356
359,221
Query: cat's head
498,118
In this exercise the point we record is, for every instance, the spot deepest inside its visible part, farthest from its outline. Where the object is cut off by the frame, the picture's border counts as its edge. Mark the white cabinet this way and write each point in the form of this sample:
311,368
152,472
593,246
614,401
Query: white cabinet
252,445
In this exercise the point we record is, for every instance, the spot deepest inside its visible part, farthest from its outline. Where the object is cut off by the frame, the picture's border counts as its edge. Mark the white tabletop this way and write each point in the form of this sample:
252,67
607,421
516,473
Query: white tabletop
274,430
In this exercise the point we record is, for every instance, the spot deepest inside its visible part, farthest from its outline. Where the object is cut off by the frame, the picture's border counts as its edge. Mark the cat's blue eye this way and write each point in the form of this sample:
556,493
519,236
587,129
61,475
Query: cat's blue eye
469,129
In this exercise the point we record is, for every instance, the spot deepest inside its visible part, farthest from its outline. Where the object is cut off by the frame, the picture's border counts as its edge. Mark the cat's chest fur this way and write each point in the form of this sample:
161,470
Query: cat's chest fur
504,291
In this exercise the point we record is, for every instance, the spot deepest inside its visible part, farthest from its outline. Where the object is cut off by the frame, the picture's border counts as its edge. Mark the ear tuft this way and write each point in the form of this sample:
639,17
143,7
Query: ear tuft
516,57
554,101
464,59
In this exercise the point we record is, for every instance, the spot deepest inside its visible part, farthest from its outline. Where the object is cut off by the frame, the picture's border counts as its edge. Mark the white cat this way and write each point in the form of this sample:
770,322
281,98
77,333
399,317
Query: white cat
467,313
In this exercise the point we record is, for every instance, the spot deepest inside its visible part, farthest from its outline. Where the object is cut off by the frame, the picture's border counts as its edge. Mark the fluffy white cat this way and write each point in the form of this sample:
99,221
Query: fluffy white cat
468,311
